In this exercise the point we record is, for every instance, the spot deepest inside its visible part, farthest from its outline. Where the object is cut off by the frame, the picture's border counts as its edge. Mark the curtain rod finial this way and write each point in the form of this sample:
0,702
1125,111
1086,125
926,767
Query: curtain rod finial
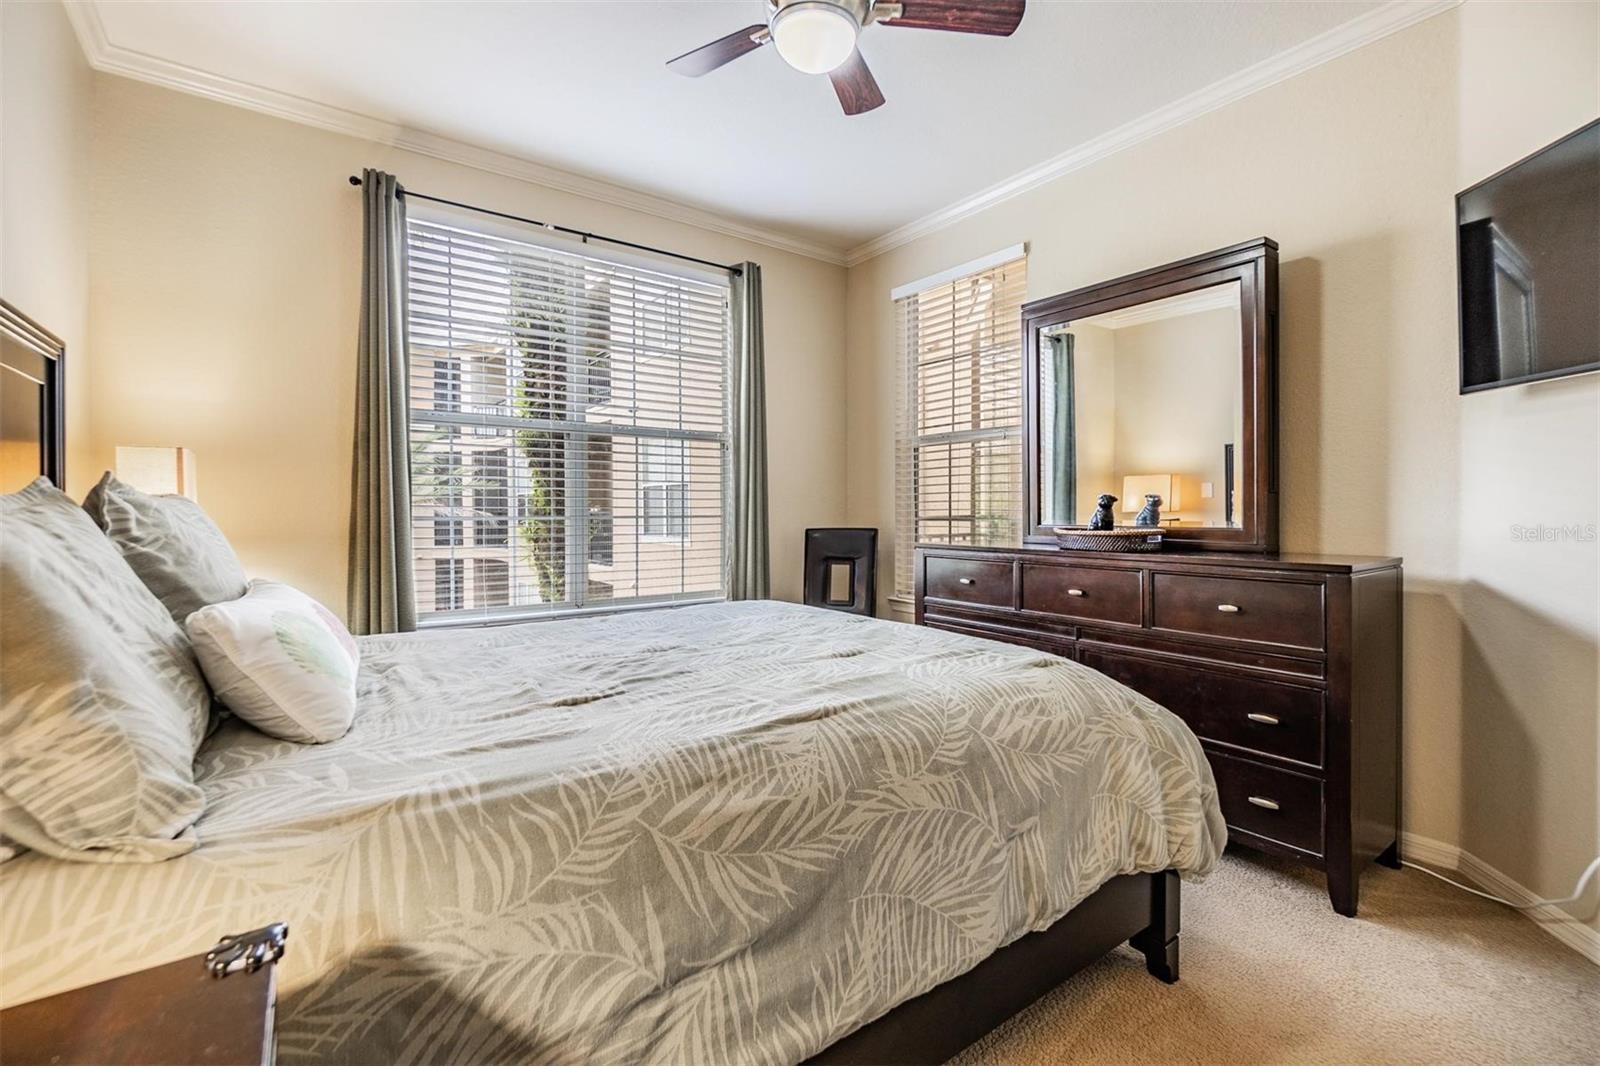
354,180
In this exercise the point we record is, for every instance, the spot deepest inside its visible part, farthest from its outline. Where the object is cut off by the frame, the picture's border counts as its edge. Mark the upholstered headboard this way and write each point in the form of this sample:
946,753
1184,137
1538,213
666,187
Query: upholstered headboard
32,407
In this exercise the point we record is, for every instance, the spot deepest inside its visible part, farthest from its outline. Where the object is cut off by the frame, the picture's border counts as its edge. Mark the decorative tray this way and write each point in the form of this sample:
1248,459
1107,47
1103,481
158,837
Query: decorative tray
1126,539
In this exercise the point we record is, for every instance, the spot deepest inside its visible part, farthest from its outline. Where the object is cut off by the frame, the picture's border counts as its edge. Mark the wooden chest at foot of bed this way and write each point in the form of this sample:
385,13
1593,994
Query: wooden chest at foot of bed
174,1013
1287,667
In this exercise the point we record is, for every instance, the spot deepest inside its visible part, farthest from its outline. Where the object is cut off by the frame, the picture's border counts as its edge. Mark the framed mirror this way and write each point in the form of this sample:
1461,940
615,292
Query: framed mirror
1158,389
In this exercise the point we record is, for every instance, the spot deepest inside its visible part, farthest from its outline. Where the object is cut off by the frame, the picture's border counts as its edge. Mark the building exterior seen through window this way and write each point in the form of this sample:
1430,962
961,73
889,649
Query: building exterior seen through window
568,422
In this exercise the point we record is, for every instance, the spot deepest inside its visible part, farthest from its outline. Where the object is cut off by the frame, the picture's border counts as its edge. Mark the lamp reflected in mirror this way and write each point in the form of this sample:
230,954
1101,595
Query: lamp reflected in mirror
1137,489
158,471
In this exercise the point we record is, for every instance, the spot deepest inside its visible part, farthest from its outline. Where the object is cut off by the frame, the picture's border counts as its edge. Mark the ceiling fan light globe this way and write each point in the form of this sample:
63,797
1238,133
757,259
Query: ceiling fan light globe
814,37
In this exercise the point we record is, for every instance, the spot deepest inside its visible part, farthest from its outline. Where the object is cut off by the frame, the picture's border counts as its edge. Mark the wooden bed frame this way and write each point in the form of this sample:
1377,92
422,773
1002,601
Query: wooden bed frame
1142,909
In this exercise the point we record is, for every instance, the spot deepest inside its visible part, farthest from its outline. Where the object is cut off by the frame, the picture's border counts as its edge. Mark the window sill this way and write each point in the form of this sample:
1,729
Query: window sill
505,617
902,608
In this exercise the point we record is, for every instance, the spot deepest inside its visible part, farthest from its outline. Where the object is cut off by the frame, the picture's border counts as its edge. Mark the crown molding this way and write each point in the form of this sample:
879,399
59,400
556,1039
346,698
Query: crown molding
1357,33
1363,30
110,58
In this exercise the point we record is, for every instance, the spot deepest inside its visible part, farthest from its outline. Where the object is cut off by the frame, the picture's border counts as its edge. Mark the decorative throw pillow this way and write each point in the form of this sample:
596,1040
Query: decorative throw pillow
281,661
174,547
102,706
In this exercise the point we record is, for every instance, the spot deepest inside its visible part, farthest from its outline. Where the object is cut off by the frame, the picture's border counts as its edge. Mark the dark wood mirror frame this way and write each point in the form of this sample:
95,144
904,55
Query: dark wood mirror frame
1254,264
35,358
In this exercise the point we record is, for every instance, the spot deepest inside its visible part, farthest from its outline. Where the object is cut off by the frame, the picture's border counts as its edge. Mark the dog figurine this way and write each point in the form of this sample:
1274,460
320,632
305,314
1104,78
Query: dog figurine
1103,518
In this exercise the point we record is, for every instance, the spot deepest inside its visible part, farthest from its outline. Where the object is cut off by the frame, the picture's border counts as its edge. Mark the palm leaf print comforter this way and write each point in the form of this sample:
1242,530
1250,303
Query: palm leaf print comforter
726,833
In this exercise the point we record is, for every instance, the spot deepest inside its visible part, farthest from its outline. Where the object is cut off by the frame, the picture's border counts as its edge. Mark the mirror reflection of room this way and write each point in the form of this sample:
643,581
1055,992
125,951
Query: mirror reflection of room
1144,400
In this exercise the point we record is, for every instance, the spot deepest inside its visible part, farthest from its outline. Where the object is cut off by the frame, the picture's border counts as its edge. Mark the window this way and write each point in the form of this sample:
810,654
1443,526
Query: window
449,583
491,493
568,419
958,422
664,491
446,385
491,583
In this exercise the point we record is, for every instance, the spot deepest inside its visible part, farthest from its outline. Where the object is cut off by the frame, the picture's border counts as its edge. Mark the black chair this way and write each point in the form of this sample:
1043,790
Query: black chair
842,570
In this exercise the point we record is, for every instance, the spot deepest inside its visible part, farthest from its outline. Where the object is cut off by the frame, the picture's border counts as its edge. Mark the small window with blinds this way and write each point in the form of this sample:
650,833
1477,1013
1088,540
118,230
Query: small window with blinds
958,422
568,418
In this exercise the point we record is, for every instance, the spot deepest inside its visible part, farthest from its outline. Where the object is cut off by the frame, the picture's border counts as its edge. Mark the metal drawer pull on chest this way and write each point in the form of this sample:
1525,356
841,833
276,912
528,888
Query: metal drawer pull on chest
247,951
1264,719
964,580
1262,801
1074,592
1227,608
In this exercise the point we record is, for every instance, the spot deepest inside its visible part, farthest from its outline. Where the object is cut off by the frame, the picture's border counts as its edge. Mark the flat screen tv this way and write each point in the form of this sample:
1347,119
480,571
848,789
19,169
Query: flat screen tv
1528,262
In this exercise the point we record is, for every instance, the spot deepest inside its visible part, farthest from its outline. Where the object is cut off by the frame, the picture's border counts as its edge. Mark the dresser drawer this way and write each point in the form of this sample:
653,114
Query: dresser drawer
1277,804
1039,641
967,581
1288,613
1246,712
1090,593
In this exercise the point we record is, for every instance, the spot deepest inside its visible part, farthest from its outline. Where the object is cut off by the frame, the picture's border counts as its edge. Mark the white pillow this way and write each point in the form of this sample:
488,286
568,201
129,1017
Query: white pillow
281,661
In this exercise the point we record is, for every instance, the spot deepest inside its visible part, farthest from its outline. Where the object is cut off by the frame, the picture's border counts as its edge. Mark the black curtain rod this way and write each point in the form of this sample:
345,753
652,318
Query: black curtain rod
586,237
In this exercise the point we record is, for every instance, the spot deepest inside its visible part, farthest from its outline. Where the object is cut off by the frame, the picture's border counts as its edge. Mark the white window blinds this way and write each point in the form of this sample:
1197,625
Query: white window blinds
958,422
568,420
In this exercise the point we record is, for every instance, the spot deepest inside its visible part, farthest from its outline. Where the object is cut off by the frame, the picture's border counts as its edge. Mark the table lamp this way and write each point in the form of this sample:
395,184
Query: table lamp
161,471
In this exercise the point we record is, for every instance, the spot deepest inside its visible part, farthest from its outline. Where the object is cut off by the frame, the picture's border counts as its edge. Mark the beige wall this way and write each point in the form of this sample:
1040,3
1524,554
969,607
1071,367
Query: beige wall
45,94
226,250
1529,688
1177,403
1352,167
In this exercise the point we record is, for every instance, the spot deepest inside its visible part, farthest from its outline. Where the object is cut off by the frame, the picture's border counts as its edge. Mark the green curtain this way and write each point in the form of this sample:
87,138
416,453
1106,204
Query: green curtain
382,597
1063,479
749,571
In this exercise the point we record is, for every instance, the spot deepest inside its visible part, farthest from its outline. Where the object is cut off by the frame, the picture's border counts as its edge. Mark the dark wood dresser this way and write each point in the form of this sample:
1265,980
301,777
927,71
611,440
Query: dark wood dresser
1287,667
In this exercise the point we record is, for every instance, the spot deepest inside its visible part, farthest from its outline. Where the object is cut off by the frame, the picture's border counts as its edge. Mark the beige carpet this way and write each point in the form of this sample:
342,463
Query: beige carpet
1426,974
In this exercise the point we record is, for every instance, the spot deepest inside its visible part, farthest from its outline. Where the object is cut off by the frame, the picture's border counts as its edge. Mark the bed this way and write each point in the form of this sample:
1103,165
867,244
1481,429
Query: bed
733,832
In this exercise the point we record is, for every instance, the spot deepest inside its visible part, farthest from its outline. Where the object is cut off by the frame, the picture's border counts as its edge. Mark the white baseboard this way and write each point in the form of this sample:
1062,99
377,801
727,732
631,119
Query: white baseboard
1448,858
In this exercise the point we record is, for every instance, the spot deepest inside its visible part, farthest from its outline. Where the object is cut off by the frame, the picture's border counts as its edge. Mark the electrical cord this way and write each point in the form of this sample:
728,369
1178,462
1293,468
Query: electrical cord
1577,893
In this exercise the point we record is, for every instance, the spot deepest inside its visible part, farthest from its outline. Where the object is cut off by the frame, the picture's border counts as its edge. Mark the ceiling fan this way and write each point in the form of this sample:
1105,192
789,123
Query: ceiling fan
819,37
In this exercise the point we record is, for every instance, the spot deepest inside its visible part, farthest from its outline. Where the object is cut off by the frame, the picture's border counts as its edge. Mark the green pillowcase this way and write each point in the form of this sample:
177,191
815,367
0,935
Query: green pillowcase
102,705
174,547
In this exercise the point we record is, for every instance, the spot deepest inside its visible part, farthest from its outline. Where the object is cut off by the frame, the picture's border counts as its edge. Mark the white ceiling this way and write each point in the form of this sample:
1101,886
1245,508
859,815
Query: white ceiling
581,85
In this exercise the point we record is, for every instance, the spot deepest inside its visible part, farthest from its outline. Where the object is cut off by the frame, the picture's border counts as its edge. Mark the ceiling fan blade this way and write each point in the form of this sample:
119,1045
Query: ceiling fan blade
857,88
997,18
706,58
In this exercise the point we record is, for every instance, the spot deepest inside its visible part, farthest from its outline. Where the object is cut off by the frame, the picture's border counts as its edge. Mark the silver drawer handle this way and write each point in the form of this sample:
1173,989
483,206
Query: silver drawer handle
1264,719
1262,801
1074,592
1227,608
964,580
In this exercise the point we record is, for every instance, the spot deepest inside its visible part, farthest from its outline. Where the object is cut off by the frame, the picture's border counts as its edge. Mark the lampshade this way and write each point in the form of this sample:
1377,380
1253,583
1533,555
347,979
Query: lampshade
814,36
1136,486
163,471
